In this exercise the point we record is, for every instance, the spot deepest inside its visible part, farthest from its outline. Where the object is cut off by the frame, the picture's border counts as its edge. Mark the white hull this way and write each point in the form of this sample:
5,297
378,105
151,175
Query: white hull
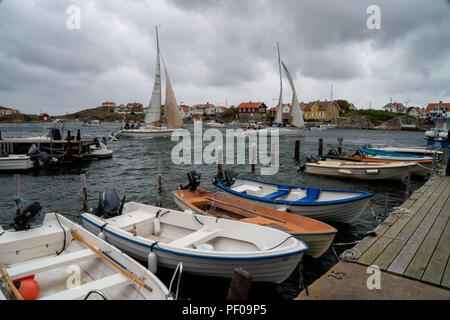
342,212
235,244
362,171
146,132
33,252
214,125
15,162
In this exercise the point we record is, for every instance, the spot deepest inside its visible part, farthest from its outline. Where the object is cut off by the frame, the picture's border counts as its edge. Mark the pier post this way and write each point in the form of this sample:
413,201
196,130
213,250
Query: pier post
340,140
17,192
240,285
444,157
253,156
219,162
84,192
68,147
160,176
433,165
297,150
320,147
408,183
78,135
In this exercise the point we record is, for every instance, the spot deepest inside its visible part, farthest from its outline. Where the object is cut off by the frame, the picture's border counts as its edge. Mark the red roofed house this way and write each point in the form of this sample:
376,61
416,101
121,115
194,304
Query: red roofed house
417,112
395,107
185,111
6,111
205,109
252,109
44,117
435,109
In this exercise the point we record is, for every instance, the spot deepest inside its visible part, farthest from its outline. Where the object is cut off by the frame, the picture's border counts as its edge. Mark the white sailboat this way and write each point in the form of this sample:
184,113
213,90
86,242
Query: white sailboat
296,123
172,116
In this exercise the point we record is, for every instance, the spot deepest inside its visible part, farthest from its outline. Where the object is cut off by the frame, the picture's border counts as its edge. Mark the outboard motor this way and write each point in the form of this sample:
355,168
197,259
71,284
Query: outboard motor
194,181
312,159
27,215
35,154
109,204
230,176
333,153
97,143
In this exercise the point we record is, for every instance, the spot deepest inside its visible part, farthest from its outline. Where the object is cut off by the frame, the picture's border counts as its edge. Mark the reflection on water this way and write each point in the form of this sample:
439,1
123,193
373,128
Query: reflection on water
133,172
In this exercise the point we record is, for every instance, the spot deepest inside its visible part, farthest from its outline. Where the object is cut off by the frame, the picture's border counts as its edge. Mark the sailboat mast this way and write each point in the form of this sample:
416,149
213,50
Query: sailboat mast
278,118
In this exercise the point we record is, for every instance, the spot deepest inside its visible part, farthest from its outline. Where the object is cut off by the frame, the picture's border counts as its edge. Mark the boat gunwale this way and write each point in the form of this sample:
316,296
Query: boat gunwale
363,194
158,248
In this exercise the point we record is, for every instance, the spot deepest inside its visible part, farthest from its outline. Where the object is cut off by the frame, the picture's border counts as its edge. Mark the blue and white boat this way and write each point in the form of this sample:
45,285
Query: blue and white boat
322,204
390,155
439,136
205,245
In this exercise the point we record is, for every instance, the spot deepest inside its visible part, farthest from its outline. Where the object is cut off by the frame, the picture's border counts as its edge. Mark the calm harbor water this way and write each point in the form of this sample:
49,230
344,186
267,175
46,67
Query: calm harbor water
133,172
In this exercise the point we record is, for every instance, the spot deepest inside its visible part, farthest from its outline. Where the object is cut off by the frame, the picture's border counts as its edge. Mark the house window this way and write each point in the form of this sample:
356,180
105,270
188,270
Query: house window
314,114
321,114
307,114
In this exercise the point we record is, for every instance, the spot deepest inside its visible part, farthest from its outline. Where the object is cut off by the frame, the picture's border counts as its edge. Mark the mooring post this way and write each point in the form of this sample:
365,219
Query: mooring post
408,183
340,140
320,147
444,157
69,147
160,176
17,192
78,135
297,150
84,192
253,156
240,285
219,162
433,165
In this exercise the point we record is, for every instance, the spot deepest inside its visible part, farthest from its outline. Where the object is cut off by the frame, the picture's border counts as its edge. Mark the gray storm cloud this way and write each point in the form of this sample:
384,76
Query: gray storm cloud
221,50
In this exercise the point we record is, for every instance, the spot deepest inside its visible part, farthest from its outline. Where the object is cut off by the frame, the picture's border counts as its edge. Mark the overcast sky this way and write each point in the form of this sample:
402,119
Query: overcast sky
221,51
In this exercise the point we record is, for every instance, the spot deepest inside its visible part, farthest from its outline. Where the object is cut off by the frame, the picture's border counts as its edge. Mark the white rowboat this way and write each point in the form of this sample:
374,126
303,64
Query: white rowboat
205,245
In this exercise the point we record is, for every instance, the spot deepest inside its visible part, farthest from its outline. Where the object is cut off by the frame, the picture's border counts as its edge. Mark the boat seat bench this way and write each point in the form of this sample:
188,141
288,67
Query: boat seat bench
202,235
26,269
311,195
125,222
113,281
275,195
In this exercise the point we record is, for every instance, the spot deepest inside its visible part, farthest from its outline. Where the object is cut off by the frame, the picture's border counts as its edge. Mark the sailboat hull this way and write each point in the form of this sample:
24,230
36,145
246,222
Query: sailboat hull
144,132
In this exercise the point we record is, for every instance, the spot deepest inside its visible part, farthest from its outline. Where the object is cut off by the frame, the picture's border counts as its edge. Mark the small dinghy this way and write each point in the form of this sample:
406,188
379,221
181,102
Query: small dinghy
317,235
389,155
322,204
205,245
99,150
17,162
360,170
60,260
423,167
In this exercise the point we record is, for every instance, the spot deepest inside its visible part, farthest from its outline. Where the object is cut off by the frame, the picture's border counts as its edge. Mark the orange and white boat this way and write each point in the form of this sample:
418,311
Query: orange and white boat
316,234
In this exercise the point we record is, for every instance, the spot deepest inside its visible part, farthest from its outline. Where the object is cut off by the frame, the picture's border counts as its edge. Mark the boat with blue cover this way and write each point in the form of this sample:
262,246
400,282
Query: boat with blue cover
386,155
322,204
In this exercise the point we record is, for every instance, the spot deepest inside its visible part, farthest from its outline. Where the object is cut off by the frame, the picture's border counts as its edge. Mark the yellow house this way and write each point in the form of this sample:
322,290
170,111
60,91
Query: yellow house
320,110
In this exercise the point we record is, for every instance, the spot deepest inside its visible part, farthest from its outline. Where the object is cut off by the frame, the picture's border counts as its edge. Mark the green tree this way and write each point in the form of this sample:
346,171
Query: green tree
344,105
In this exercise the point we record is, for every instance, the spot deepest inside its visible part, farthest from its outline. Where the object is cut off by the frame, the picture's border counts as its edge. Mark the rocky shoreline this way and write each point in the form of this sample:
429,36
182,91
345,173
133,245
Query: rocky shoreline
397,123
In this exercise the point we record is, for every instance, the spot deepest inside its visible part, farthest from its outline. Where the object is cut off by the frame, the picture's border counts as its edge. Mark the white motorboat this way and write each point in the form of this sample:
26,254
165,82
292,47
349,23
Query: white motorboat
360,170
16,162
172,116
439,136
318,128
60,260
92,123
100,151
322,204
205,245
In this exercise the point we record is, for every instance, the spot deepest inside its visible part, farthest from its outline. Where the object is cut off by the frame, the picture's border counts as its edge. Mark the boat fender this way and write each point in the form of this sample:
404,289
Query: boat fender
102,235
373,171
347,172
28,288
152,259
156,227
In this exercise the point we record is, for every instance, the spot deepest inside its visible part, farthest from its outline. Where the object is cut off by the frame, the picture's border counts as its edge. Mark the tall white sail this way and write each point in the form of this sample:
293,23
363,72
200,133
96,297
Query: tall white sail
279,118
296,115
153,111
172,115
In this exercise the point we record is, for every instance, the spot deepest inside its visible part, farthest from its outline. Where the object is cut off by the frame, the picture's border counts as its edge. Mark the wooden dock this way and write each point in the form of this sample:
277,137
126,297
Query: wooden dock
411,247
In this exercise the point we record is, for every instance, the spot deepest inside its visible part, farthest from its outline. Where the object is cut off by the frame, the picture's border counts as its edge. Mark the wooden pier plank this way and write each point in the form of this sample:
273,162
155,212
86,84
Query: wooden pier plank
408,227
423,255
383,240
438,265
404,257
366,242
